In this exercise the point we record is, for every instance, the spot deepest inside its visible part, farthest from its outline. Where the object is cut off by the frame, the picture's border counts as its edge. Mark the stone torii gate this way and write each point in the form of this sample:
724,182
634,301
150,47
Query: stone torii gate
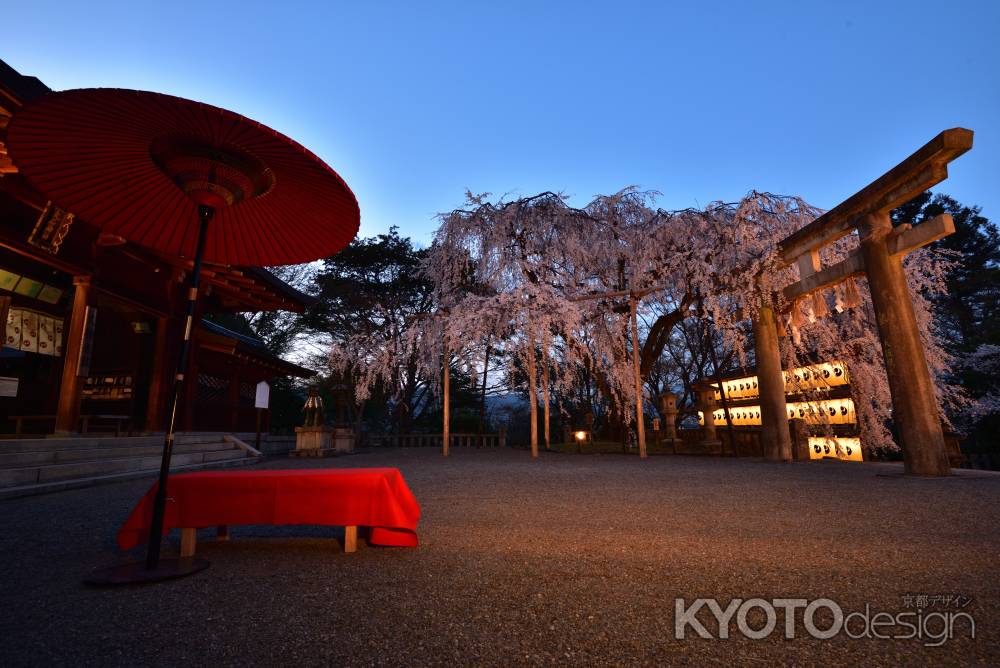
880,258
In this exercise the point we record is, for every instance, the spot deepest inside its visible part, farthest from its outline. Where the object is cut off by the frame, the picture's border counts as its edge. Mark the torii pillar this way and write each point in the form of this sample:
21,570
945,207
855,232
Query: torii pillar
914,407
771,387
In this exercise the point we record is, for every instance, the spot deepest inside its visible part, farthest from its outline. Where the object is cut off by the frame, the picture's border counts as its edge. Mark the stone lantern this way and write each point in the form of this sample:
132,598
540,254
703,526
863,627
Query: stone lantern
342,437
668,410
710,443
313,438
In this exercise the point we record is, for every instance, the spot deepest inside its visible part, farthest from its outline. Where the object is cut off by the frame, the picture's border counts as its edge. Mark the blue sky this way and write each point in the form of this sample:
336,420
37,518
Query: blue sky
412,103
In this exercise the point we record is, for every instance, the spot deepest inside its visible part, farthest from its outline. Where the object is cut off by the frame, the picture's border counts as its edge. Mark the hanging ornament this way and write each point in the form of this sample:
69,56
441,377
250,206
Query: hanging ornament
852,298
810,314
819,304
796,336
838,298
783,329
797,318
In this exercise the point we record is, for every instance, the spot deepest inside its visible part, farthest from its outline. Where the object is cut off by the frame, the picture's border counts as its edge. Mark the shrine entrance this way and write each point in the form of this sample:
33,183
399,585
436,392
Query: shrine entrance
879,258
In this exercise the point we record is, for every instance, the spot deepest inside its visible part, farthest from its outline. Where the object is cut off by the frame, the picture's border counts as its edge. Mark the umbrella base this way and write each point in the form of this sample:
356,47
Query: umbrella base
137,573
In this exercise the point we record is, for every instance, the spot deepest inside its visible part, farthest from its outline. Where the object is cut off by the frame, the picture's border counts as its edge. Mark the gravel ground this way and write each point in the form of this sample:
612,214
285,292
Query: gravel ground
568,560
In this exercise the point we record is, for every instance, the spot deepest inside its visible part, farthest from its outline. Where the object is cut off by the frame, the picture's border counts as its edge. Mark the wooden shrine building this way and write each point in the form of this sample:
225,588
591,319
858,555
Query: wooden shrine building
92,323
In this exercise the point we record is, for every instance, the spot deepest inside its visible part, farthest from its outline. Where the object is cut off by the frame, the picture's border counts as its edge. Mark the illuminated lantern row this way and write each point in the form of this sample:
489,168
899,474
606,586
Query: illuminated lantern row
840,447
740,388
827,411
815,376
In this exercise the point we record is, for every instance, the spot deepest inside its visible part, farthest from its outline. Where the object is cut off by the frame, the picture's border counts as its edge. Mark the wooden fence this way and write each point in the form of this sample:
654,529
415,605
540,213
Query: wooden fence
498,440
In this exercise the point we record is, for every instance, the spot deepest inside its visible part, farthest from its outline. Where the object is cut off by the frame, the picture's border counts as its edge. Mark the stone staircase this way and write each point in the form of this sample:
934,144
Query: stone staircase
37,466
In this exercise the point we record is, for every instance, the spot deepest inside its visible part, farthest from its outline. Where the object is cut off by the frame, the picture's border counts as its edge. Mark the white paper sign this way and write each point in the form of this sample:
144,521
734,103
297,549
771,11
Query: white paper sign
8,386
263,395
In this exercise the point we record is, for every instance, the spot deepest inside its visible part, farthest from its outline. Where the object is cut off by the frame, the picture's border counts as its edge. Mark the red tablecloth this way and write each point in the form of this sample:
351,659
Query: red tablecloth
377,498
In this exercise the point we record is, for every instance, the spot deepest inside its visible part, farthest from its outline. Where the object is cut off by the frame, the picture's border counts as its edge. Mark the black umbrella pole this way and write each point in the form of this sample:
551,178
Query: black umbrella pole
205,214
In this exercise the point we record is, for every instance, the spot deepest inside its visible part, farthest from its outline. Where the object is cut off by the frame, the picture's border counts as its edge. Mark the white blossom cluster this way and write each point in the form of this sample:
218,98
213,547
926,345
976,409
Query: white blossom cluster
521,276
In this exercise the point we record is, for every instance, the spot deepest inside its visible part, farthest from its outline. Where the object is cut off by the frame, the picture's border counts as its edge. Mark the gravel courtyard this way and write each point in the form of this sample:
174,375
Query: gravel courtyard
567,560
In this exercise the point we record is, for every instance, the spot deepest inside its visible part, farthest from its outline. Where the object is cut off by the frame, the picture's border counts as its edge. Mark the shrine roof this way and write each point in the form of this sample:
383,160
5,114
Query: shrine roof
226,341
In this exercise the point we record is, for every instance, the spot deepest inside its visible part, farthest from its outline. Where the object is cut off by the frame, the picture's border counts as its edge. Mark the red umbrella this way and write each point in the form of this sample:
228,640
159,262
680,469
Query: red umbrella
138,164
185,179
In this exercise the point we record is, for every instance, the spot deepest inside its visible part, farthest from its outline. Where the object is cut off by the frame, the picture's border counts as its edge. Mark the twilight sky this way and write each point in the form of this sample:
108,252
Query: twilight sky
412,103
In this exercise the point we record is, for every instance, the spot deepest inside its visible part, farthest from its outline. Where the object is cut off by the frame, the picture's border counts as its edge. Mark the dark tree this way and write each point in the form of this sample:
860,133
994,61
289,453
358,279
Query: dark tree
972,305
374,286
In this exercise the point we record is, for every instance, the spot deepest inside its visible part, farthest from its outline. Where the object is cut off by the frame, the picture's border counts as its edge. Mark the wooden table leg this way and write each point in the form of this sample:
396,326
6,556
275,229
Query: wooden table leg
222,532
188,539
350,539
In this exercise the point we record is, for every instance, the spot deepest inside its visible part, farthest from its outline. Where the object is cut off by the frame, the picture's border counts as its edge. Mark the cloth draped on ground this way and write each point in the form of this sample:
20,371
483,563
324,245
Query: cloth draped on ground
377,498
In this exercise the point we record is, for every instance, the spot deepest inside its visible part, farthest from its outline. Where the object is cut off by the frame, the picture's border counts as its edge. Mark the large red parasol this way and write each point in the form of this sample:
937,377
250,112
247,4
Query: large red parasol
137,164
185,179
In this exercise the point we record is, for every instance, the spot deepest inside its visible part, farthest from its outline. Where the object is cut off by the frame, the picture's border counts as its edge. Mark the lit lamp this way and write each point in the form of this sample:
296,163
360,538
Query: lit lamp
583,435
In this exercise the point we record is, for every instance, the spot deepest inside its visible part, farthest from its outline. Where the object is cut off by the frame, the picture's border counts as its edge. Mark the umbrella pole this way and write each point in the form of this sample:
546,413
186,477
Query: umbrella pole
154,569
205,215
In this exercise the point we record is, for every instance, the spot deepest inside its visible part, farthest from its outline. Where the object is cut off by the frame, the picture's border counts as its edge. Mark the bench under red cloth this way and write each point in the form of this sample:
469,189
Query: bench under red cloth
377,498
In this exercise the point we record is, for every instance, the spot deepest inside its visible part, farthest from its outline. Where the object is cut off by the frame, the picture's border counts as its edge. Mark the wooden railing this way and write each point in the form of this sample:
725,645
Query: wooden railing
498,440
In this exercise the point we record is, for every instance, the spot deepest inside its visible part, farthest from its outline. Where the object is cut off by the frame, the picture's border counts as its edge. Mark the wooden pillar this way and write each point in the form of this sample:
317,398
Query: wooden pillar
189,391
446,436
234,399
71,387
706,396
637,377
165,352
800,438
915,412
771,385
161,377
545,393
533,398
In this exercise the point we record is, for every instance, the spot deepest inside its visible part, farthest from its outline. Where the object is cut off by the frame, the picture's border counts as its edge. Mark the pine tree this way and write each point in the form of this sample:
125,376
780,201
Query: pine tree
972,305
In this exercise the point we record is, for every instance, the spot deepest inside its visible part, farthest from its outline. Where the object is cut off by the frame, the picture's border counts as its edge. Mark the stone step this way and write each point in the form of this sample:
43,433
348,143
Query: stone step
28,475
20,459
96,442
77,483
